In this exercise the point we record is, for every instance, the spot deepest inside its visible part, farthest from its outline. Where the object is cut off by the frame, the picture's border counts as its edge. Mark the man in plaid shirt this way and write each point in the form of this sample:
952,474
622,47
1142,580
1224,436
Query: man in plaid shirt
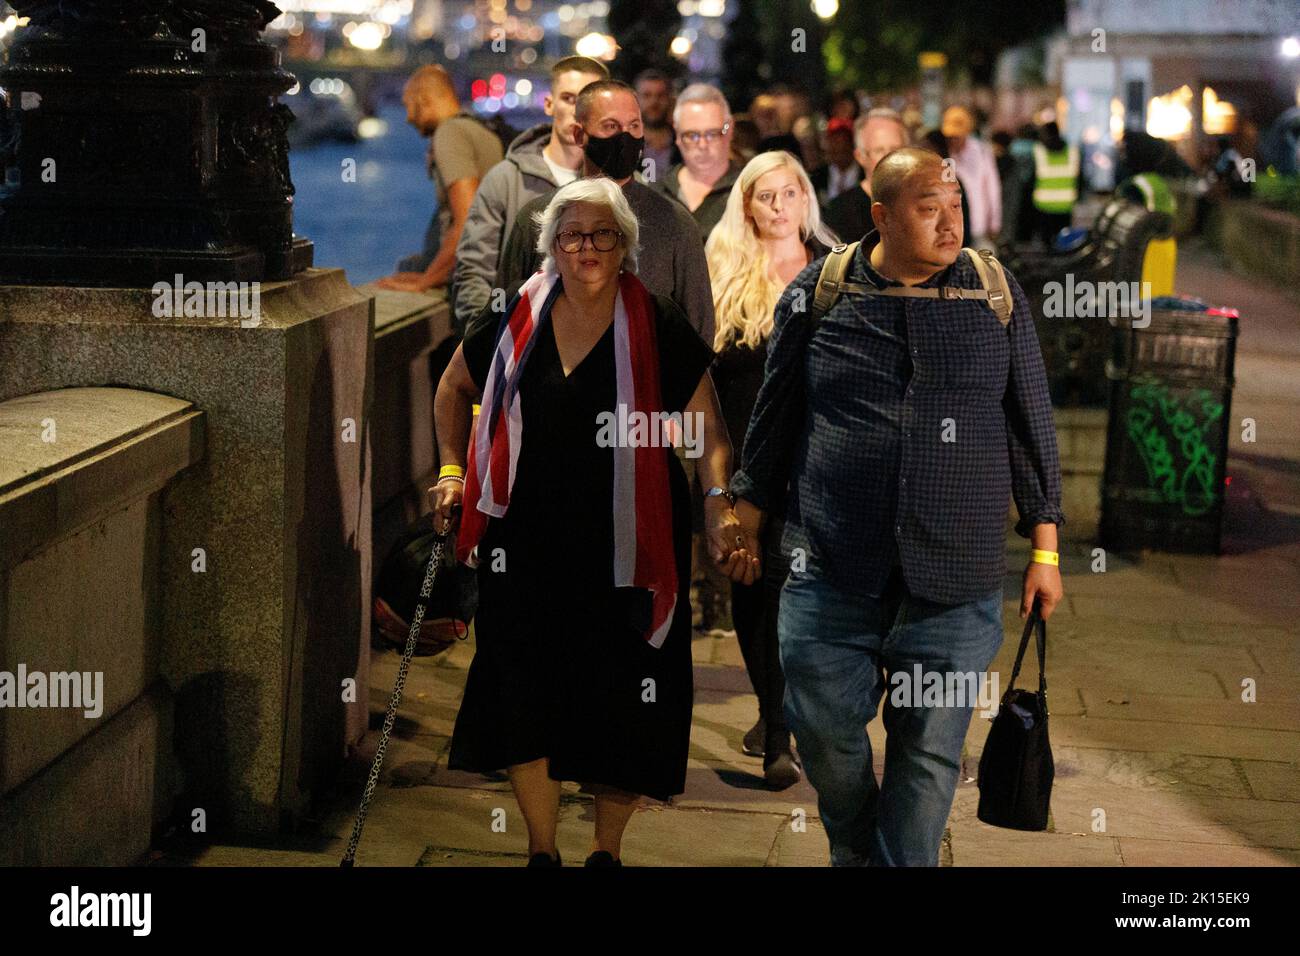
901,427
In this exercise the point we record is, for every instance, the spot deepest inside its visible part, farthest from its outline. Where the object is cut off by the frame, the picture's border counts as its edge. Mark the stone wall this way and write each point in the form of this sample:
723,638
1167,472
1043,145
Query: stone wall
1081,440
82,477
264,545
1254,239
413,341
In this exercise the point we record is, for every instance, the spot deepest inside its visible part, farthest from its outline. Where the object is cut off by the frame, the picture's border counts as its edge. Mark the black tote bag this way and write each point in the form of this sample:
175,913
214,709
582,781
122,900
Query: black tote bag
1016,768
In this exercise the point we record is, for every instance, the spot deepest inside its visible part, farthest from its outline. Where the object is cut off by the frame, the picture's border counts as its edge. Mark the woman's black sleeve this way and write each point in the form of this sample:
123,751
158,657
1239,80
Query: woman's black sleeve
683,356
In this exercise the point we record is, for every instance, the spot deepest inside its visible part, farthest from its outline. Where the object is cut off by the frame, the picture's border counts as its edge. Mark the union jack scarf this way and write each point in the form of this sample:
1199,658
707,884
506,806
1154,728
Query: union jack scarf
643,545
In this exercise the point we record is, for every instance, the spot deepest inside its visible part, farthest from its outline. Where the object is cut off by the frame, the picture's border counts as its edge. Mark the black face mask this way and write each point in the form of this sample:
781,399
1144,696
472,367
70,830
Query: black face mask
617,156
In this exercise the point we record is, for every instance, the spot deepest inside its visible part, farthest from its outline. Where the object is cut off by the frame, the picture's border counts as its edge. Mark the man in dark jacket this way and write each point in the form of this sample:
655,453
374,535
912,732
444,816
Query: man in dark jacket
539,160
703,180
901,424
607,123
841,171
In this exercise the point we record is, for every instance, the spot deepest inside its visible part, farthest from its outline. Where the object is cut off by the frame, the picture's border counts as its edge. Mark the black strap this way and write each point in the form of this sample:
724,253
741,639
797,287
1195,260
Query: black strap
1035,621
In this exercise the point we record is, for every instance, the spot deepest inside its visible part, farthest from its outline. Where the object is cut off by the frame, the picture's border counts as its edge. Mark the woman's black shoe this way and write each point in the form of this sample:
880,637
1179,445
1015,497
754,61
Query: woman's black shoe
781,772
544,859
602,858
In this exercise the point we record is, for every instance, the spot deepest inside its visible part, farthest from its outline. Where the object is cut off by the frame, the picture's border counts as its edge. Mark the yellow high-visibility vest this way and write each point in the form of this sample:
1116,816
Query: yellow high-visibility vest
1156,194
1056,176
1160,261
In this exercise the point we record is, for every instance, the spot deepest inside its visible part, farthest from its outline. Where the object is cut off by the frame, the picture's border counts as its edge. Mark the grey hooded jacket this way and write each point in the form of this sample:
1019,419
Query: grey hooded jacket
508,185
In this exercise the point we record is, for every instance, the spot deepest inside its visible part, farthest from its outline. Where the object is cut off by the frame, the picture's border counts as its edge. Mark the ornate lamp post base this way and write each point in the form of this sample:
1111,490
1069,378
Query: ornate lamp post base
143,138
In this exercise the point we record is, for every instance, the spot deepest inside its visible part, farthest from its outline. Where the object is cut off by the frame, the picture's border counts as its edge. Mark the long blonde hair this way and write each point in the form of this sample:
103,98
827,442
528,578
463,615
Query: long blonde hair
744,294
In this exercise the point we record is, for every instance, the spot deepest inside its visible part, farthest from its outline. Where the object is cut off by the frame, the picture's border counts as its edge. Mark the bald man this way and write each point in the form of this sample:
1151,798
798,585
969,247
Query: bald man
461,151
901,425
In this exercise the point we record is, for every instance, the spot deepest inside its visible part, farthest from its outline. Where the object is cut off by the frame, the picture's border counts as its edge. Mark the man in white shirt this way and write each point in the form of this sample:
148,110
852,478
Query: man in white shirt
977,169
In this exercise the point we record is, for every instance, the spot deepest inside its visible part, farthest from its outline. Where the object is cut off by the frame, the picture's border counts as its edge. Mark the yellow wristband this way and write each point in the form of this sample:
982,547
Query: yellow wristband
452,471
476,407
1044,557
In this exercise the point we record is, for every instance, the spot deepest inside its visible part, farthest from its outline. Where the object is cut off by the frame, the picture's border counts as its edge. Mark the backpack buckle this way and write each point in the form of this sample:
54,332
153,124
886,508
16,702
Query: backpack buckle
950,292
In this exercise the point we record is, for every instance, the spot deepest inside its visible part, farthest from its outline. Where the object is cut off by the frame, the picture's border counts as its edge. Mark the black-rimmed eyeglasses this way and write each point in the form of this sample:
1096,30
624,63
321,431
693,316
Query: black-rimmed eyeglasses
603,240
709,136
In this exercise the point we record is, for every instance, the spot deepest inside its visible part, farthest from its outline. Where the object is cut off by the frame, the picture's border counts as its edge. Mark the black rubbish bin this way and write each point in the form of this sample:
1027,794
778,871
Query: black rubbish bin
1167,434
1075,347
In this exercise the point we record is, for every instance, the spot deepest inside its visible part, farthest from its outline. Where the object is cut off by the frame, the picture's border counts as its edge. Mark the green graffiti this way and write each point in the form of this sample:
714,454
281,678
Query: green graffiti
1169,434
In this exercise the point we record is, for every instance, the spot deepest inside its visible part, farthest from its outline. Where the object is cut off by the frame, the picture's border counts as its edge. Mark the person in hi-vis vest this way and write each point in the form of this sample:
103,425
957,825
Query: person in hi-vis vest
1161,257
1056,175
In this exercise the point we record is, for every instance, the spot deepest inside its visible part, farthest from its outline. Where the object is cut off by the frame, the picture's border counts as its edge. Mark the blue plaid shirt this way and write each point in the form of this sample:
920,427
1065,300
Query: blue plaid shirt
902,429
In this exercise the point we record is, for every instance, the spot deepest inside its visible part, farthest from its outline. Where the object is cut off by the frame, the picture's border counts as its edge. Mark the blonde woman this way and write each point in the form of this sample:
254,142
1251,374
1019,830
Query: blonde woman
770,231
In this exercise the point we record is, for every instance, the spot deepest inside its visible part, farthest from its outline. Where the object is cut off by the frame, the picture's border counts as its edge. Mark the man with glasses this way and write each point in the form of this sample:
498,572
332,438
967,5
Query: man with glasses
875,136
703,180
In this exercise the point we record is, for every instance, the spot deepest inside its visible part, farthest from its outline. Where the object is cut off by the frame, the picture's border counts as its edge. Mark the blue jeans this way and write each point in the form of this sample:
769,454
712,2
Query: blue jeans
835,649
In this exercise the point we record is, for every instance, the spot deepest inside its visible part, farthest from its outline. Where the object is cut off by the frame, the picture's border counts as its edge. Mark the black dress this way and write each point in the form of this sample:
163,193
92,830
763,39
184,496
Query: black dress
561,668
738,374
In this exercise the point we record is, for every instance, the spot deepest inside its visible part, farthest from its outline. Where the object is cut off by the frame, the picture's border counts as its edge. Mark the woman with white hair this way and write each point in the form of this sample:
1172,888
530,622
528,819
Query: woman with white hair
770,232
576,515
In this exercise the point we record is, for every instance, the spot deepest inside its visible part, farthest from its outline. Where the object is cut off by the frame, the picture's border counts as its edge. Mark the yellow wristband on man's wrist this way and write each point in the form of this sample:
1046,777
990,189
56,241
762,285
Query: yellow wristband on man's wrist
451,471
1038,556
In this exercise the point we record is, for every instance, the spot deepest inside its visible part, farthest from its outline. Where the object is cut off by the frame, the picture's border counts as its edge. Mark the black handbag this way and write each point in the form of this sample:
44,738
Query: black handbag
451,605
1016,768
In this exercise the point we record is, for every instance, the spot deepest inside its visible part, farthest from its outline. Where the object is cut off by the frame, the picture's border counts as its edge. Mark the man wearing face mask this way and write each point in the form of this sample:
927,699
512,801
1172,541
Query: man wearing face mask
540,160
608,126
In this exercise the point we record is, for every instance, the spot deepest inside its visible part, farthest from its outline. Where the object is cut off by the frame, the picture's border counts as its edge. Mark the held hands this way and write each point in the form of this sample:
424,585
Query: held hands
733,548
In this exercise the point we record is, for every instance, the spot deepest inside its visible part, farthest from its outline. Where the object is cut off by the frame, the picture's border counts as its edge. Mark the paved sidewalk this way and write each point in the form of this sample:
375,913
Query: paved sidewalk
1159,760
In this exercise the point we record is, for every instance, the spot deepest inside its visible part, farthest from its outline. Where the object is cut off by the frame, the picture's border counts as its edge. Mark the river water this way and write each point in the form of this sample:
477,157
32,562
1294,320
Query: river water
364,226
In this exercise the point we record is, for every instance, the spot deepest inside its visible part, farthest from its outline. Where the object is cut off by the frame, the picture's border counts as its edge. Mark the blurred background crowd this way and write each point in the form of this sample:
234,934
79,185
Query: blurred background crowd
1214,83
